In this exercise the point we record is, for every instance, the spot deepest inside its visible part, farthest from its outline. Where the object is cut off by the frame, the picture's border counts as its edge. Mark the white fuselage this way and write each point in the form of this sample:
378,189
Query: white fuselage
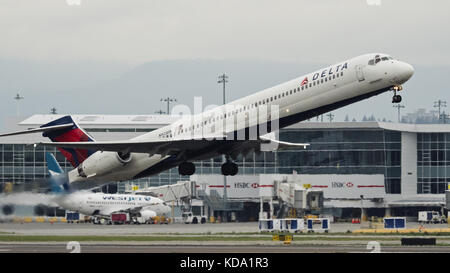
104,204
293,101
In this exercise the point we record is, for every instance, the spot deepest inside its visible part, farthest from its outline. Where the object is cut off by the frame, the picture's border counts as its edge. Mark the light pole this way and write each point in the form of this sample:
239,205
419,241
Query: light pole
398,106
223,80
168,100
439,104
330,117
444,117
18,98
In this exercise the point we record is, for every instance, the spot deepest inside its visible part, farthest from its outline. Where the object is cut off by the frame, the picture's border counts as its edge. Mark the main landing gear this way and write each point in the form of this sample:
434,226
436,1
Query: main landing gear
186,168
229,168
396,98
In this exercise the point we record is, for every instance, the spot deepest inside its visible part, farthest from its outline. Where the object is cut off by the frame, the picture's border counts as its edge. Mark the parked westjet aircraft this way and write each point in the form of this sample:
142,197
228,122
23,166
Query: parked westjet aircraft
239,127
101,205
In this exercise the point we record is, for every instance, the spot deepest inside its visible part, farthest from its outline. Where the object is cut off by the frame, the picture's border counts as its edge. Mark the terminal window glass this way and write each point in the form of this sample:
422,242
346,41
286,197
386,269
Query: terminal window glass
433,163
332,151
344,152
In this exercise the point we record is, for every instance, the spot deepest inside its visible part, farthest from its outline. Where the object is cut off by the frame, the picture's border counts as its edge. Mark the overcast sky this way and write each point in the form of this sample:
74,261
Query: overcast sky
138,31
100,39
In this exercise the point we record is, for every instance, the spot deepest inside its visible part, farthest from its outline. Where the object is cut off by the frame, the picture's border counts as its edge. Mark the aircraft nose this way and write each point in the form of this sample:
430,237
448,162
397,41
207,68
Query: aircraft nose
408,71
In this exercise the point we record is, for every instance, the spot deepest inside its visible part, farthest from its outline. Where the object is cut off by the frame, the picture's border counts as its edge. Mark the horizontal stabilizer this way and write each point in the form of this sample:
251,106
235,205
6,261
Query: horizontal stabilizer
39,130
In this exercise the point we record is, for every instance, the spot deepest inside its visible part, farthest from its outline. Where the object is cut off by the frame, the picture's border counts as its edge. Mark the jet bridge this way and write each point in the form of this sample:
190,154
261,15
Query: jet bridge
183,190
293,197
298,197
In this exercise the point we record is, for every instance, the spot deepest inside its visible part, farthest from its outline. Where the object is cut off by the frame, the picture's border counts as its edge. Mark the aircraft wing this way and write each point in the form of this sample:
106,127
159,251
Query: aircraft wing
172,146
151,147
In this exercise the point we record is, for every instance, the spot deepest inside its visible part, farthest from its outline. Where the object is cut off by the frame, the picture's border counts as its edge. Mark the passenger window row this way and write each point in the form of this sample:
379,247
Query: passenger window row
255,104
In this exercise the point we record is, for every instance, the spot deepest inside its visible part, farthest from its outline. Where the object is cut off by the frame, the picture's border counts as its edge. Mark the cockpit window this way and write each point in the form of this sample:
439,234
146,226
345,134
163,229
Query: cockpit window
378,59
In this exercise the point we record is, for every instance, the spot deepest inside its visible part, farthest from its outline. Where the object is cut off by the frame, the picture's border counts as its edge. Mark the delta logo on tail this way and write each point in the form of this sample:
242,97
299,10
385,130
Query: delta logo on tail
71,134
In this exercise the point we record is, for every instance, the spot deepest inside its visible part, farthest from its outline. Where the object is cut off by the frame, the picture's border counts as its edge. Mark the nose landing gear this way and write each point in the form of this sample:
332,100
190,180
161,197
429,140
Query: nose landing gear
396,98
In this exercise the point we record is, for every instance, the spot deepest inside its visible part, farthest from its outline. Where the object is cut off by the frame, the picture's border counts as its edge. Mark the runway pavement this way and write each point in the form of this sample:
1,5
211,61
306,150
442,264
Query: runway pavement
177,228
131,248
305,243
91,229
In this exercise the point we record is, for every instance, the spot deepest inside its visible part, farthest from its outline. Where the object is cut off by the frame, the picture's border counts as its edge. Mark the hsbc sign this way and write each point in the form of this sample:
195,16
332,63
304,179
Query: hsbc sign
341,185
238,186
243,185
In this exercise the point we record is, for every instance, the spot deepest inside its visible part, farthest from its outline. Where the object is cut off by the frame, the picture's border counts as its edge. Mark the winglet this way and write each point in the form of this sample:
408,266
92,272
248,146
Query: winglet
275,144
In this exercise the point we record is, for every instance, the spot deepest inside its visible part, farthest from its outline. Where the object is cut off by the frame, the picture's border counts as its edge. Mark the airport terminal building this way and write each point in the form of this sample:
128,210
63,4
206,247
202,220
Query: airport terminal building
386,168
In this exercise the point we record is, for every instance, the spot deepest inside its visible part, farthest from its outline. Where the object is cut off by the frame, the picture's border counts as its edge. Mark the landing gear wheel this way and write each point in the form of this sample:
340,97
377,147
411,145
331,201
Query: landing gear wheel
186,168
396,99
229,168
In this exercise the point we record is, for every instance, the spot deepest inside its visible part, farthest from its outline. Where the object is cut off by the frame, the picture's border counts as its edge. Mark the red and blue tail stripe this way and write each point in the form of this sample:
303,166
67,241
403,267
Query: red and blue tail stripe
71,134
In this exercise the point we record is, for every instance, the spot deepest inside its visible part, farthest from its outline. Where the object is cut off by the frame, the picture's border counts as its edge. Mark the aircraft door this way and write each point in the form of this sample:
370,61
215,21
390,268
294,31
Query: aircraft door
360,73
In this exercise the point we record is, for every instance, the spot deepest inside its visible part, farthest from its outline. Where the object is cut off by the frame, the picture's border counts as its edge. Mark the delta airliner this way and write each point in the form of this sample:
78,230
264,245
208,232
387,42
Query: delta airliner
239,127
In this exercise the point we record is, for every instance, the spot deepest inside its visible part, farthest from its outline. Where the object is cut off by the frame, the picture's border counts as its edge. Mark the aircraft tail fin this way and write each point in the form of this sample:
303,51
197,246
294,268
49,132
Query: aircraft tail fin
72,133
52,165
59,181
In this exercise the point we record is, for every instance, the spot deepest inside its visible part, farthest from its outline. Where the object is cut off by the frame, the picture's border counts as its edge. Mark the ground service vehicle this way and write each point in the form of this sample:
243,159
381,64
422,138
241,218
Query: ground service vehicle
120,218
430,217
189,218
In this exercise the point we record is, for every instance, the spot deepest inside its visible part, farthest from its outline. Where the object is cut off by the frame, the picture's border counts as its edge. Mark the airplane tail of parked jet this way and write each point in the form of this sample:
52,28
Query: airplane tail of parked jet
69,132
59,181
